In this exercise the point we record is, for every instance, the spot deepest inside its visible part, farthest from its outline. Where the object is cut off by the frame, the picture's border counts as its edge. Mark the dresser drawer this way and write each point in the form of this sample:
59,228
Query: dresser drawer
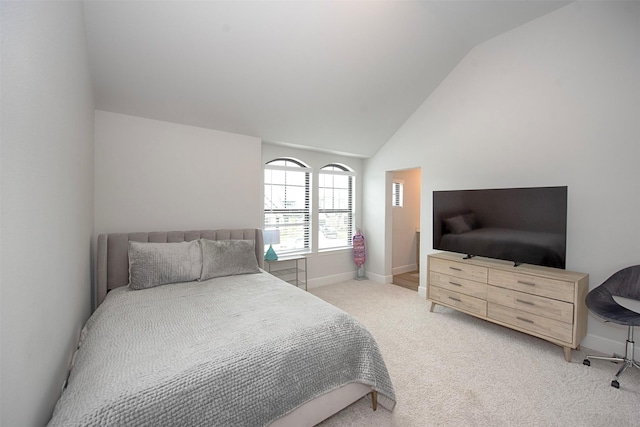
458,301
546,307
531,322
551,288
456,269
458,284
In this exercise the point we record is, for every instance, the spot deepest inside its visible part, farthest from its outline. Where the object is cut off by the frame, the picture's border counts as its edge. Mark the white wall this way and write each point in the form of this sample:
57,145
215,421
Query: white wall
328,266
553,102
406,220
47,202
157,176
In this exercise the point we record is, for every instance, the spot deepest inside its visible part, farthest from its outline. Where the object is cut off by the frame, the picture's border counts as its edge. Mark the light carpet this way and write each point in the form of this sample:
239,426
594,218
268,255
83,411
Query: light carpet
449,368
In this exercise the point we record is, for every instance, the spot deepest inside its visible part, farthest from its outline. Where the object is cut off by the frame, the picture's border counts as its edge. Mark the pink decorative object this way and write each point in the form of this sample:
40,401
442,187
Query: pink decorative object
358,249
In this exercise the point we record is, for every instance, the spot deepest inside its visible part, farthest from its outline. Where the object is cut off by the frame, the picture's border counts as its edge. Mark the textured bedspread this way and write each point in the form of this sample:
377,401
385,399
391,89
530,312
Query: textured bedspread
232,351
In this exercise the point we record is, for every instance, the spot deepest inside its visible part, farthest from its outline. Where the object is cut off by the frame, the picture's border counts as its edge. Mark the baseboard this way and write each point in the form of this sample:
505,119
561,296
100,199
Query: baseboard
329,280
378,278
404,269
605,345
422,292
335,278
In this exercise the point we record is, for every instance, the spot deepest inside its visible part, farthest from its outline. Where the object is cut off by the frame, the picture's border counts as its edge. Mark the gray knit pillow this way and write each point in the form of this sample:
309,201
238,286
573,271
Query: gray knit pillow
155,264
228,258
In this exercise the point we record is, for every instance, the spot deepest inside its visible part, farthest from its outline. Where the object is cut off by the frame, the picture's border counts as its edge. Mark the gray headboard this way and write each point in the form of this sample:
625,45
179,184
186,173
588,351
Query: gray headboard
113,260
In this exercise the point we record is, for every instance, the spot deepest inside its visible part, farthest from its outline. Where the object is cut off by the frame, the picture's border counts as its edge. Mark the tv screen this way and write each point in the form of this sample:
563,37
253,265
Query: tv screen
522,225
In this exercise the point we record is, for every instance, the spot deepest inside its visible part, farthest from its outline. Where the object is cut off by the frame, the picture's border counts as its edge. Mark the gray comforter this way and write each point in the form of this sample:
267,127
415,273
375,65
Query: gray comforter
232,351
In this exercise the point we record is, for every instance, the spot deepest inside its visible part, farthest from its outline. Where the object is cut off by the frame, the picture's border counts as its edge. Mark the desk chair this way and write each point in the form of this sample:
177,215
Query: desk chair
624,283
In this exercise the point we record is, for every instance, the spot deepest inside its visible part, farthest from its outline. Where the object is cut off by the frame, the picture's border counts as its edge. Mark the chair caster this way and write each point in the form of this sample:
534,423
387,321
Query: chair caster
586,362
615,384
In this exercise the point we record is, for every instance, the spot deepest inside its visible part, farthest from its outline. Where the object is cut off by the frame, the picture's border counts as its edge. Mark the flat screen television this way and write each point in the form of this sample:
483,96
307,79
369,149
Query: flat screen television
522,225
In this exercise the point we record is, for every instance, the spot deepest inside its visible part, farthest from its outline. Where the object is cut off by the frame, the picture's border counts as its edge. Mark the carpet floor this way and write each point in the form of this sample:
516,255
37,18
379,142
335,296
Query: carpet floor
449,368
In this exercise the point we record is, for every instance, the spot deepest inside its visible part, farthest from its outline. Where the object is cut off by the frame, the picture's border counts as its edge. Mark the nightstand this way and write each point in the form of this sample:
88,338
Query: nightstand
291,269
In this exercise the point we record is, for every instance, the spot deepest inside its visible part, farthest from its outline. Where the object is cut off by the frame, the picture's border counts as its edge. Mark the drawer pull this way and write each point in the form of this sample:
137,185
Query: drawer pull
522,282
524,320
524,302
455,299
455,268
454,283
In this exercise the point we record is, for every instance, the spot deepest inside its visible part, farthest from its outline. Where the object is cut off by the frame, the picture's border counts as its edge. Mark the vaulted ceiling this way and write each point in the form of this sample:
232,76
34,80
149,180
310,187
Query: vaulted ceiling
339,76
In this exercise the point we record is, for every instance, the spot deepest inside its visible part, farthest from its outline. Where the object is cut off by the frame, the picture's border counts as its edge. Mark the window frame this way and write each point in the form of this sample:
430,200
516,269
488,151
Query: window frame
397,193
306,211
338,169
313,233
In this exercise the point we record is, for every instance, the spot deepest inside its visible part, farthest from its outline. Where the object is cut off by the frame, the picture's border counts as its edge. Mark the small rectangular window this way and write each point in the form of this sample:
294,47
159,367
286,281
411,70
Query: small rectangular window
397,193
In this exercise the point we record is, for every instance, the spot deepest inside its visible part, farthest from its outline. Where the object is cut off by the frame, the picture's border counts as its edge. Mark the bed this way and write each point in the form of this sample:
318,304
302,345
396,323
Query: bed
241,348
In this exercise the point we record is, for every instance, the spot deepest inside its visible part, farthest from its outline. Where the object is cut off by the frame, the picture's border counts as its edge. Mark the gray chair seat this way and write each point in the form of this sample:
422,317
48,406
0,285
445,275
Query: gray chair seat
625,283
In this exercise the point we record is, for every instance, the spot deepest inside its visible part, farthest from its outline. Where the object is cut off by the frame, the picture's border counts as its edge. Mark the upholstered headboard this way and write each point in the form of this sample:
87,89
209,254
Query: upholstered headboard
113,260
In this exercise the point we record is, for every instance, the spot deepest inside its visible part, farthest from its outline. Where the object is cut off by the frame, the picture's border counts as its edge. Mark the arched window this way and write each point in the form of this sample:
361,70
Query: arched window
336,185
287,206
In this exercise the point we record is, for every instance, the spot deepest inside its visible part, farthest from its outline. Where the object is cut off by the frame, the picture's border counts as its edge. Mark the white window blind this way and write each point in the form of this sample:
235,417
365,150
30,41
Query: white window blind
336,185
397,193
287,205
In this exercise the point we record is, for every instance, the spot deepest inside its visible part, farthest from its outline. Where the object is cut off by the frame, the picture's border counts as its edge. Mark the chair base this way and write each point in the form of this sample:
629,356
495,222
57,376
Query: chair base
628,359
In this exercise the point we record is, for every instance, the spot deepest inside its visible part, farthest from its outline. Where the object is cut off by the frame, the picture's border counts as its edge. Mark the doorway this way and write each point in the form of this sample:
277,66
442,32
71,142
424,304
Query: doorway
406,190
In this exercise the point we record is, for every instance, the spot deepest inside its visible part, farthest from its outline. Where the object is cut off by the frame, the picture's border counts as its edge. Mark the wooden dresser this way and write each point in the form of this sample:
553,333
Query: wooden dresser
544,302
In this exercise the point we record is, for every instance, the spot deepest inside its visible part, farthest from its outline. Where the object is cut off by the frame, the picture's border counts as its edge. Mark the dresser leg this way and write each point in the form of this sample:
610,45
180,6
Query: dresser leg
567,354
433,305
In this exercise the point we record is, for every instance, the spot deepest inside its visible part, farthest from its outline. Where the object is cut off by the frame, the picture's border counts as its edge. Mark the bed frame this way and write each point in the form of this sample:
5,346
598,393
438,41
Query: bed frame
112,271
113,260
